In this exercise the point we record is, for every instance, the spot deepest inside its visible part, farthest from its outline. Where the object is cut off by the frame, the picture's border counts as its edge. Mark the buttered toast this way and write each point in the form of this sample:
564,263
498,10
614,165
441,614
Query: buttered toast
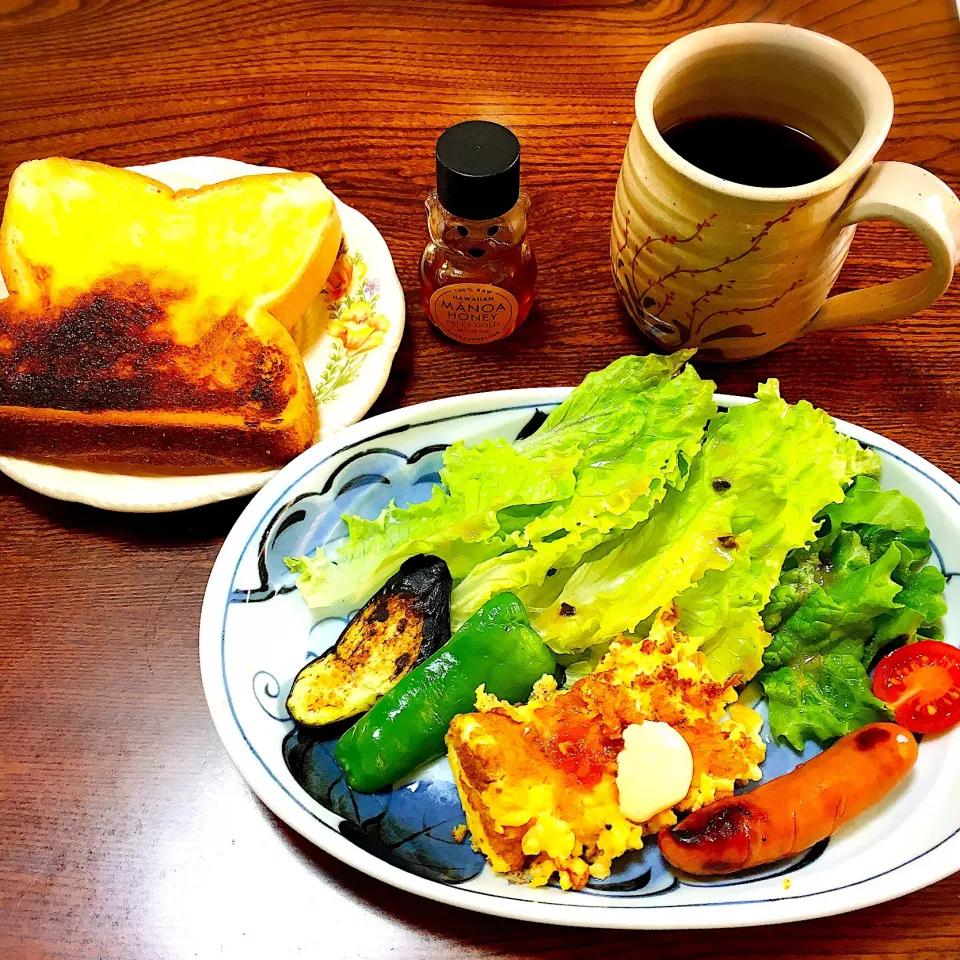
148,325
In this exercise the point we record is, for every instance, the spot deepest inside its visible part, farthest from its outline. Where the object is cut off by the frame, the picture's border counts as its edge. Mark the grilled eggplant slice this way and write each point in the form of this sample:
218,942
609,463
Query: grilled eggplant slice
405,622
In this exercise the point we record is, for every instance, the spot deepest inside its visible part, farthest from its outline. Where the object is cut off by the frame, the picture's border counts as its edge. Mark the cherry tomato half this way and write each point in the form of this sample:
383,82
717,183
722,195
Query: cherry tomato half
921,682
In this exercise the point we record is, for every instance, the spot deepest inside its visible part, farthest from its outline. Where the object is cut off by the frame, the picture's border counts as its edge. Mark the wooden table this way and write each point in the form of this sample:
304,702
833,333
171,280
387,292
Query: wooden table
124,829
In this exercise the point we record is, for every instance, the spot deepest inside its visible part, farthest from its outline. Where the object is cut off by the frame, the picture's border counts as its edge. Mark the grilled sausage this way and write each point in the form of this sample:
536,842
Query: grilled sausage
787,815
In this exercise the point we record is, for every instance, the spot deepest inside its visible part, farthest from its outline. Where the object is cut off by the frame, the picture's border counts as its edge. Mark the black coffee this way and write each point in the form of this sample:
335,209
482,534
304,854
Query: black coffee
758,153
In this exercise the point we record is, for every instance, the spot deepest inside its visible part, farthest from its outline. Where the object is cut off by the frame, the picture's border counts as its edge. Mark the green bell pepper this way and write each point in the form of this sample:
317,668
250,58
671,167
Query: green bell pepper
496,647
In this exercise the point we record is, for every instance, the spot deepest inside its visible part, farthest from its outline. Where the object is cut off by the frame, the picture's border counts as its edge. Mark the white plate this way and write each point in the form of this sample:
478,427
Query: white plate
347,361
256,633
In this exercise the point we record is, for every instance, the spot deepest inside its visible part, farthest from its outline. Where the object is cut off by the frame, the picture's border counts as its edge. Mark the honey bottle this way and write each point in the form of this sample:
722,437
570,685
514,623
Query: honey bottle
477,273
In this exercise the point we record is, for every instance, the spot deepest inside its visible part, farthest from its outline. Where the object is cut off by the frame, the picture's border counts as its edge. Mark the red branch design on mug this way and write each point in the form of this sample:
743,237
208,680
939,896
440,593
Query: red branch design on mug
742,330
653,306
669,239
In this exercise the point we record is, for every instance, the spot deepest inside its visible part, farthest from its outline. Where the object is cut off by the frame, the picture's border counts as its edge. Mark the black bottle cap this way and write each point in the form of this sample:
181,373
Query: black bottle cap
478,170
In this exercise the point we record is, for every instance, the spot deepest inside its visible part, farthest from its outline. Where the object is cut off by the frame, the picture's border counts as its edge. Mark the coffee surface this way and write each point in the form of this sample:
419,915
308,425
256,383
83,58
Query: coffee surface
751,151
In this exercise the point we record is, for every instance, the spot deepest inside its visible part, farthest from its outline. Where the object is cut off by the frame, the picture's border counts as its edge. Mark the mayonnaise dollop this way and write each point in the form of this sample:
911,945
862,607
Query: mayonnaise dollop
654,770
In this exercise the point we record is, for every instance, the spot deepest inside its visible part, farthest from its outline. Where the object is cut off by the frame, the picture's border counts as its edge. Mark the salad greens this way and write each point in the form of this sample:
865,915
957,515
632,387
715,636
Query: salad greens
764,471
624,480
766,528
458,523
788,462
600,461
861,586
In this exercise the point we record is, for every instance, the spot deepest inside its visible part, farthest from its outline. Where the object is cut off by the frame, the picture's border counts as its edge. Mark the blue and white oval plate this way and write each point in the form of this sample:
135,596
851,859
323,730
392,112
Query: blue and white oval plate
256,633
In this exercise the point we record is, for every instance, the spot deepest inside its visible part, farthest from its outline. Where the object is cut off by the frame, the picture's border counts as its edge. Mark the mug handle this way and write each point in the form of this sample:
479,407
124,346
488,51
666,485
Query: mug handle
918,200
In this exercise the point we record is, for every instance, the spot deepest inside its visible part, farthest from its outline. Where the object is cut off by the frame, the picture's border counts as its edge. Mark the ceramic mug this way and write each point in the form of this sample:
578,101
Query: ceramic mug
738,270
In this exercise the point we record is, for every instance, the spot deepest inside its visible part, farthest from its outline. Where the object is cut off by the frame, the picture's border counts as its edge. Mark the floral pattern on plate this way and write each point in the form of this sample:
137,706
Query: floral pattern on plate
369,336
355,325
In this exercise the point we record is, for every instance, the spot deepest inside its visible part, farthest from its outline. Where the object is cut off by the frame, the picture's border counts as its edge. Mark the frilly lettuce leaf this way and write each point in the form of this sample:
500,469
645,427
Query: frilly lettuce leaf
854,535
827,697
736,648
581,668
645,570
867,503
458,523
629,466
764,471
858,589
785,463
846,611
796,584
921,605
881,518
620,437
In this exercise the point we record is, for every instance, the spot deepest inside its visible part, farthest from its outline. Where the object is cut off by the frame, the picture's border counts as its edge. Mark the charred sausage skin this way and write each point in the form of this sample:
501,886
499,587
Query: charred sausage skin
787,815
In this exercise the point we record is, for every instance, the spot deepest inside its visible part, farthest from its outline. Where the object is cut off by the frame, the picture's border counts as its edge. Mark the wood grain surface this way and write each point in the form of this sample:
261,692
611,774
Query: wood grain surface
125,832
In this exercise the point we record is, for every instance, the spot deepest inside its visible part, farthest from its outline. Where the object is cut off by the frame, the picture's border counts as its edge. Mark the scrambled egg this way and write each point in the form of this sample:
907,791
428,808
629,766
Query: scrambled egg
538,781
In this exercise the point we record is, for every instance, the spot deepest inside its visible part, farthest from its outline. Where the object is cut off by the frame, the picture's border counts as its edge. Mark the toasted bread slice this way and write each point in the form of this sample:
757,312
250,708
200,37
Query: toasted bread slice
150,325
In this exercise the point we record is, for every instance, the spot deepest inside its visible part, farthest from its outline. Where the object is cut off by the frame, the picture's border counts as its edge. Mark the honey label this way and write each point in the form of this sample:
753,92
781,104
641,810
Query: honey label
474,312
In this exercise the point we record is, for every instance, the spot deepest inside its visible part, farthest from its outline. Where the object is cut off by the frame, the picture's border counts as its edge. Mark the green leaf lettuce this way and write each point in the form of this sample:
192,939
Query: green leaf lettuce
602,458
858,589
628,474
715,546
